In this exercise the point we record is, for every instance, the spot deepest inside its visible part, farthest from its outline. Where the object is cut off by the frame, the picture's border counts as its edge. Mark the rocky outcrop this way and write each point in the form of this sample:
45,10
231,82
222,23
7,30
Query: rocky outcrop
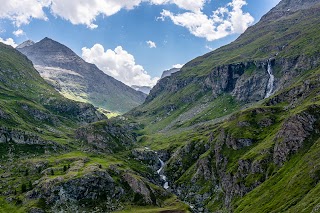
4,115
106,136
140,189
183,158
95,185
213,175
83,187
84,113
148,157
40,115
293,133
295,95
21,137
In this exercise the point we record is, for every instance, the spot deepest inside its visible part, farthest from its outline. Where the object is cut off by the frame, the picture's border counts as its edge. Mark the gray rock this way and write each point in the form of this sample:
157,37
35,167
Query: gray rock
71,75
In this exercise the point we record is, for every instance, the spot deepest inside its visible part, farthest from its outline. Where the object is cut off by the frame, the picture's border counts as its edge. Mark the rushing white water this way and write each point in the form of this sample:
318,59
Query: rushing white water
162,176
270,82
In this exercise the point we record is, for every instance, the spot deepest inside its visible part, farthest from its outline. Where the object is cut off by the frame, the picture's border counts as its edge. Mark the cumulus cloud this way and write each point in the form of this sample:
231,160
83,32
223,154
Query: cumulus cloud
151,44
8,41
85,12
223,22
119,64
18,32
22,12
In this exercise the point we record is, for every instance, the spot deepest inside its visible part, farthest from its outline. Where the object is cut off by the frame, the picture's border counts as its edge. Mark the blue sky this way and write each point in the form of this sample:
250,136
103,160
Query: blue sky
132,40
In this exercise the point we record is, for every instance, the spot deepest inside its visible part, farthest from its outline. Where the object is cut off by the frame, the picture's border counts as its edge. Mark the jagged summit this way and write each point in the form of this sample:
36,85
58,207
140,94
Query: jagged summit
79,80
25,44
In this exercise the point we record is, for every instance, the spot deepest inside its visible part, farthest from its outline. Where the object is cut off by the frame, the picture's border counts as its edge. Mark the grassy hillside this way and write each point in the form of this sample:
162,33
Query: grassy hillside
227,149
236,74
61,155
263,158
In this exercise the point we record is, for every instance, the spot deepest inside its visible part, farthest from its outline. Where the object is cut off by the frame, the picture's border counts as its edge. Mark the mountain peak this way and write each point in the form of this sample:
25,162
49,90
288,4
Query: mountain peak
49,40
80,80
49,52
25,44
52,45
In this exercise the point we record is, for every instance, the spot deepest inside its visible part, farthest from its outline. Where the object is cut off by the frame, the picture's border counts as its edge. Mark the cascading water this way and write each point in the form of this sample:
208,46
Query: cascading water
163,177
271,80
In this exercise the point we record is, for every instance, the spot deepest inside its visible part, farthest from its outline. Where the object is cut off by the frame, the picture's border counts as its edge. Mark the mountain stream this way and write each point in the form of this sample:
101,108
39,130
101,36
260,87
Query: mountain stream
162,176
271,80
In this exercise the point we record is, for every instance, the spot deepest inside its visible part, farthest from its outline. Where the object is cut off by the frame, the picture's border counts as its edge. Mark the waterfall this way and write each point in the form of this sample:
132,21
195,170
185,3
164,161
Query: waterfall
271,80
162,176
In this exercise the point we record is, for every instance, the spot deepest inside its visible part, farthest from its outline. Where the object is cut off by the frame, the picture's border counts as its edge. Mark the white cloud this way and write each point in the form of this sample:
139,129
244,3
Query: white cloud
178,66
224,21
192,5
8,41
18,32
119,64
85,12
151,44
22,12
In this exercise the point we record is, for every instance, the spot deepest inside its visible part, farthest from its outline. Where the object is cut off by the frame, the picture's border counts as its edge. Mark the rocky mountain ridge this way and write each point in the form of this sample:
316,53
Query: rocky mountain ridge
76,79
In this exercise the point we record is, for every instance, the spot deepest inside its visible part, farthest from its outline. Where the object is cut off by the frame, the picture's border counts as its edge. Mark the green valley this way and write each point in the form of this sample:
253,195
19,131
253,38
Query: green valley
235,130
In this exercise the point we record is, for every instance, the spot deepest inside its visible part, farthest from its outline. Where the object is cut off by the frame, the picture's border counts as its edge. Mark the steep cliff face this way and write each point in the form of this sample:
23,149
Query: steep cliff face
248,150
78,80
106,137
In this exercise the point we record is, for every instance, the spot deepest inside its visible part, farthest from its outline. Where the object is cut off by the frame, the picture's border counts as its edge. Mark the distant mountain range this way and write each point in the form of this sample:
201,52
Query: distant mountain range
78,80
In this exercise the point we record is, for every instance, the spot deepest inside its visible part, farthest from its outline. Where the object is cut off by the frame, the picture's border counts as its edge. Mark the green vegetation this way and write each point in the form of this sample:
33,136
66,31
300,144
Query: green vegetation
171,204
296,34
222,153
